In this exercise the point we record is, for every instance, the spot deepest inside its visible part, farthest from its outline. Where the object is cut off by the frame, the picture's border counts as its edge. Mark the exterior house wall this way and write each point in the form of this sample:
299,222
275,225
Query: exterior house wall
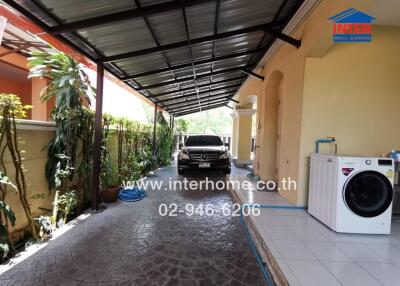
20,88
352,93
316,35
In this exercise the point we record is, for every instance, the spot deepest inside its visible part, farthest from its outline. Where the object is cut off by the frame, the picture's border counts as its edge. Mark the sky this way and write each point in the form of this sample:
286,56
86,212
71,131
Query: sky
117,101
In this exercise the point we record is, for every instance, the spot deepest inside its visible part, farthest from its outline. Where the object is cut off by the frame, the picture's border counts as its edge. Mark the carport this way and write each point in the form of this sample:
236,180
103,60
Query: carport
184,56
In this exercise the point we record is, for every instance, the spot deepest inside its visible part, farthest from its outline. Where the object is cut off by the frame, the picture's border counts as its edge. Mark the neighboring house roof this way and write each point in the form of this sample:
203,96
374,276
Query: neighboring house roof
352,16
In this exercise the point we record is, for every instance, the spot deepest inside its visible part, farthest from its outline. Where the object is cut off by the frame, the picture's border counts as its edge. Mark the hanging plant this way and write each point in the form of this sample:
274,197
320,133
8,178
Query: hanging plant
11,108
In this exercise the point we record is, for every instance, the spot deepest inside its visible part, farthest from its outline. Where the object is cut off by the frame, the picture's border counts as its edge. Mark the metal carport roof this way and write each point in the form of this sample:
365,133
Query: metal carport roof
185,56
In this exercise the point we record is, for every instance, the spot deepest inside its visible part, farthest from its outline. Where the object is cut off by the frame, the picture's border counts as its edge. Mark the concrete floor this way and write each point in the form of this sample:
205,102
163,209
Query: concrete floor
131,244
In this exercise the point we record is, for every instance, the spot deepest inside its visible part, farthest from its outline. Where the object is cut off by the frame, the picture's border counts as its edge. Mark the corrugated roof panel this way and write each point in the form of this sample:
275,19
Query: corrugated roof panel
237,44
231,63
141,64
169,26
73,10
121,37
178,56
186,72
202,51
117,38
236,14
201,19
154,79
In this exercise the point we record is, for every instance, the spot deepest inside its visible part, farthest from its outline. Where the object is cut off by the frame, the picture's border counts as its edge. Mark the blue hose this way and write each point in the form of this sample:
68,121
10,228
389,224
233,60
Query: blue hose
132,194
263,268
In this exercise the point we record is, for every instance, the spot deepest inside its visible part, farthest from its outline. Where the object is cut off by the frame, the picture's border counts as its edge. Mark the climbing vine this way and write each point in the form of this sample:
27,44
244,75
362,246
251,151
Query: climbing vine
11,109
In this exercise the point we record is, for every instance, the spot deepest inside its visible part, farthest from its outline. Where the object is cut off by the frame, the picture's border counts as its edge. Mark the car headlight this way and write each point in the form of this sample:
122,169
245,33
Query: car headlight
183,156
224,155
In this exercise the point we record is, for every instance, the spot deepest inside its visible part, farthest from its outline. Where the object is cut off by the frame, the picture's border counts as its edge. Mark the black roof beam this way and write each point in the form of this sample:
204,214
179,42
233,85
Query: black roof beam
201,92
249,72
193,78
194,110
181,66
267,27
199,86
121,16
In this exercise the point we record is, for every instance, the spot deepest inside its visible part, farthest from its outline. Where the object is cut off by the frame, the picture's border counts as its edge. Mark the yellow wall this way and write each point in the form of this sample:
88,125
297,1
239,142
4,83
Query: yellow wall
34,144
353,94
316,35
244,139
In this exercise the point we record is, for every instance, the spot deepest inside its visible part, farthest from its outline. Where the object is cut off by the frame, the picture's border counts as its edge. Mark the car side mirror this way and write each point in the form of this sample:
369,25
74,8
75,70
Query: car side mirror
180,145
227,145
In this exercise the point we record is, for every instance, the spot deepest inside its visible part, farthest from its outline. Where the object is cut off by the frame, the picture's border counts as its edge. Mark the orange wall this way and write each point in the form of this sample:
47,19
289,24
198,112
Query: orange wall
20,88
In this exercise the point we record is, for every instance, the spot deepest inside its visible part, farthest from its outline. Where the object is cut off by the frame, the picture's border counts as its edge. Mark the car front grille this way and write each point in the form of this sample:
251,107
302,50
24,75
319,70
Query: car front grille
204,156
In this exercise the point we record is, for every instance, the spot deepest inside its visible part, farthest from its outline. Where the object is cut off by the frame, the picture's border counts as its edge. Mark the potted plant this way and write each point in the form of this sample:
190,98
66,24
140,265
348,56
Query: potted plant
109,185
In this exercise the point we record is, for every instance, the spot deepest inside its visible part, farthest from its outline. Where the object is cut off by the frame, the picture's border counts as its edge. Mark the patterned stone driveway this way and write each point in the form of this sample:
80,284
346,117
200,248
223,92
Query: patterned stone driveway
131,244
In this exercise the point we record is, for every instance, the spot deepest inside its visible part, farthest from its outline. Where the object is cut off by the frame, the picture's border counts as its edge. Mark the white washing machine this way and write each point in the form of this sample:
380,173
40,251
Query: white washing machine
351,194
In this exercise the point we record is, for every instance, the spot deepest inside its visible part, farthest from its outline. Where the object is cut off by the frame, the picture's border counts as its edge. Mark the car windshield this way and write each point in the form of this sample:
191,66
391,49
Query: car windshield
203,141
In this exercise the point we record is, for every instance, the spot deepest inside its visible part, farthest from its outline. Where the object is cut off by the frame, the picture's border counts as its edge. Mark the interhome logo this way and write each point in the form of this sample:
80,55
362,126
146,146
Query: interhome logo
352,25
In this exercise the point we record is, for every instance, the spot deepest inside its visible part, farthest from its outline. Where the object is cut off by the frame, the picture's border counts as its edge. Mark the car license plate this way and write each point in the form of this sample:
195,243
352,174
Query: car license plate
204,165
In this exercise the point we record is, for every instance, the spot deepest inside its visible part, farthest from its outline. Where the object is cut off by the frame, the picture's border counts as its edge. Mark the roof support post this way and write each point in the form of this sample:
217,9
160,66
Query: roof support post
154,129
98,136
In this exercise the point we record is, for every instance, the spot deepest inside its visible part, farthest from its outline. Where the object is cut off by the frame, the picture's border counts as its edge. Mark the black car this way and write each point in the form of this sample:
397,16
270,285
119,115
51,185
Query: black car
204,152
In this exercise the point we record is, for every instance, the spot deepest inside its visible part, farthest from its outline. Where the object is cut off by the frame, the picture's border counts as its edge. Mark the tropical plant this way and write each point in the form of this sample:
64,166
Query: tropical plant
11,108
70,86
45,226
164,141
85,167
6,245
67,203
181,126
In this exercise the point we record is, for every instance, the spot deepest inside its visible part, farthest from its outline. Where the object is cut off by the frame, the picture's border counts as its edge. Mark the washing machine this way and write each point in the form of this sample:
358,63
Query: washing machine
351,194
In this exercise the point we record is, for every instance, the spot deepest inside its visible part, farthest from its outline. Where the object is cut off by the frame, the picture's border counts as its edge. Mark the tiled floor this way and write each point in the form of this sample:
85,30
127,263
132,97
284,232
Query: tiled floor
309,253
131,244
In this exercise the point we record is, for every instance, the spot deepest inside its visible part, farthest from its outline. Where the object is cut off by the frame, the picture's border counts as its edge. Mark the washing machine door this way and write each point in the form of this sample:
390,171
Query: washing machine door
368,193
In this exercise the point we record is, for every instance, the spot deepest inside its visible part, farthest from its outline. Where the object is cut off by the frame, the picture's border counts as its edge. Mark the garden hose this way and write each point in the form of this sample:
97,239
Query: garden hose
131,194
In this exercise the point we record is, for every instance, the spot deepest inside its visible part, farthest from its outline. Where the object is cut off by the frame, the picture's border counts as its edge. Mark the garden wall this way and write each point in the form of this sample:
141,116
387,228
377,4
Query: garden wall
35,136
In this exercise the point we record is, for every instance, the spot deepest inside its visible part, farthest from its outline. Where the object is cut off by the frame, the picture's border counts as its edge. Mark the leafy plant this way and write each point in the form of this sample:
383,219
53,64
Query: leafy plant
45,225
11,108
67,203
70,86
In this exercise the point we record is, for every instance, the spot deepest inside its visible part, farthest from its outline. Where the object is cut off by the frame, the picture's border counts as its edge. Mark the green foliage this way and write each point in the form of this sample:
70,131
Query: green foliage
67,202
9,215
45,225
215,121
164,141
70,87
181,125
12,109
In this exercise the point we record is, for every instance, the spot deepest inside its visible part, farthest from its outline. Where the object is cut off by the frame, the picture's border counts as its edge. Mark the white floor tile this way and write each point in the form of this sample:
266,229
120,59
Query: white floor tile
308,233
311,273
327,251
387,274
390,252
359,252
350,274
291,249
287,272
278,232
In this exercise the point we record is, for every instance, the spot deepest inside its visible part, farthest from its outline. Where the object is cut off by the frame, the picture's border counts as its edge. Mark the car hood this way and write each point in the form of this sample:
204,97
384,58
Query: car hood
204,149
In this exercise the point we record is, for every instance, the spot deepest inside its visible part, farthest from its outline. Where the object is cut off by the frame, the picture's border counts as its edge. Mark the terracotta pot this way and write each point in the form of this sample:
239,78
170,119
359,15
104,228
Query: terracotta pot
110,195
